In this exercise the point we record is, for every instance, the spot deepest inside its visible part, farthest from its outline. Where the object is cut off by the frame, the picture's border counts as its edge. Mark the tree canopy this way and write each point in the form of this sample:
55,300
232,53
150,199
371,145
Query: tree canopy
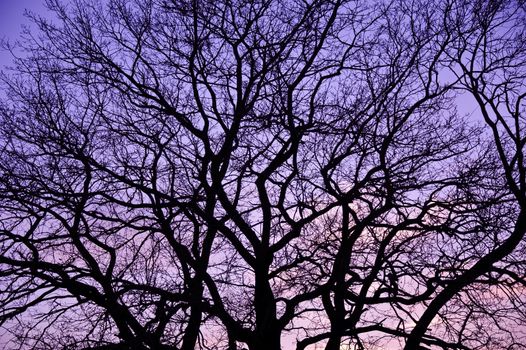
297,174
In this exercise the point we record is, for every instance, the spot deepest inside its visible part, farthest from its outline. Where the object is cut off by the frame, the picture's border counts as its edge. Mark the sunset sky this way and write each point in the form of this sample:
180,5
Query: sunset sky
11,21
262,175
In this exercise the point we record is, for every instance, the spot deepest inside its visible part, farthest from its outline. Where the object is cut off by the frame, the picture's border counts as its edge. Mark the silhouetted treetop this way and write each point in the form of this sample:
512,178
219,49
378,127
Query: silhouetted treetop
265,175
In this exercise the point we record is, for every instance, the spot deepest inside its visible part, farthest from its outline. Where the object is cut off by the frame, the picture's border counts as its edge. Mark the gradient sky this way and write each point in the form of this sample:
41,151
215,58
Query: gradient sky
11,21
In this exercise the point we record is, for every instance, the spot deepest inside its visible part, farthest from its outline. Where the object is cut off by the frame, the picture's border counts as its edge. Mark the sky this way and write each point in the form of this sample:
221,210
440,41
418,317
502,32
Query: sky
11,21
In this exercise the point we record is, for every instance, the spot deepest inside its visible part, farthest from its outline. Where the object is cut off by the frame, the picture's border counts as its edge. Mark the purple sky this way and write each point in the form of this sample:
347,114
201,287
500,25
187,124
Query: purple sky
11,21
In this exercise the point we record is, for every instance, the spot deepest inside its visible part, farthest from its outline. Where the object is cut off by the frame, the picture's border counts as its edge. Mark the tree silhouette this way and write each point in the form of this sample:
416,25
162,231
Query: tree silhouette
265,175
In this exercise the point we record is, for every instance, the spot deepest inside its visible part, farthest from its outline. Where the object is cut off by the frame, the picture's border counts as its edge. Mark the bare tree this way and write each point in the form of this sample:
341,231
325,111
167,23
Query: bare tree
265,174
